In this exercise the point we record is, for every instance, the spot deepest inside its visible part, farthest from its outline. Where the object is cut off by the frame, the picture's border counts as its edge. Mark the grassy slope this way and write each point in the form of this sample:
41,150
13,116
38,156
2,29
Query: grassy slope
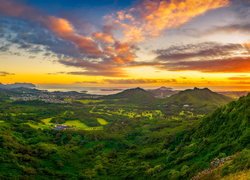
222,133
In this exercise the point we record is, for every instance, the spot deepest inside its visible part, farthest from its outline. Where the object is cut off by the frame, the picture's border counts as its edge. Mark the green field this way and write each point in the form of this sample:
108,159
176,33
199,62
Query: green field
37,125
89,101
102,121
47,121
81,126
77,124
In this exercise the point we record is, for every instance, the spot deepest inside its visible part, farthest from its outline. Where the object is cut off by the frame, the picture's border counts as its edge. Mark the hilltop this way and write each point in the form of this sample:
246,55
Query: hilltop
198,100
162,92
135,96
17,85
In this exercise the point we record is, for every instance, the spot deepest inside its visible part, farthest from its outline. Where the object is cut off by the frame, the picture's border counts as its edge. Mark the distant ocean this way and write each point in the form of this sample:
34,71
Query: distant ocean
114,90
88,90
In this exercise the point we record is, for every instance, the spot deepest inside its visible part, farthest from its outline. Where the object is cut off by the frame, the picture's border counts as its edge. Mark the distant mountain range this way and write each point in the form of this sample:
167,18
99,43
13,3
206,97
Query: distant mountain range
234,94
171,101
196,100
17,85
162,92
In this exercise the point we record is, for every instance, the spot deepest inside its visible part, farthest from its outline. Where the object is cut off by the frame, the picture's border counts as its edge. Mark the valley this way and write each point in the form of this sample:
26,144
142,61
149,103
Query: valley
125,90
131,134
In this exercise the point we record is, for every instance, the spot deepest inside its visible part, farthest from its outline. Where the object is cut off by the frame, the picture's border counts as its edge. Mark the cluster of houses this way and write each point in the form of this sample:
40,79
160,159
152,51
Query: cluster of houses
42,97
60,127
25,94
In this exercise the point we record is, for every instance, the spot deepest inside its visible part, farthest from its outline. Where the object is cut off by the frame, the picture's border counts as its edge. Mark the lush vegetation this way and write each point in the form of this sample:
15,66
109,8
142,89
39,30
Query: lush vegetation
117,137
197,100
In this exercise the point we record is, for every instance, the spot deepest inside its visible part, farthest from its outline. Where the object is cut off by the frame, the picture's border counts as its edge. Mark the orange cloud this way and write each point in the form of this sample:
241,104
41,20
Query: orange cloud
124,53
151,18
247,46
65,30
99,45
233,65
59,25
147,19
240,78
139,81
165,15
104,37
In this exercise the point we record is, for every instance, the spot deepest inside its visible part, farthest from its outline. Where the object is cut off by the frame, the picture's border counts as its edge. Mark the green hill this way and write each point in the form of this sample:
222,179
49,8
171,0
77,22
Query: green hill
134,96
223,133
228,126
197,100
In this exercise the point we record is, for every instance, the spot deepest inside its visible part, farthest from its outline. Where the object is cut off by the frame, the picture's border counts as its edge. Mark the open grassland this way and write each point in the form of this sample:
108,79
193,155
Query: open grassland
73,124
76,123
47,121
37,125
126,112
89,101
102,121
81,126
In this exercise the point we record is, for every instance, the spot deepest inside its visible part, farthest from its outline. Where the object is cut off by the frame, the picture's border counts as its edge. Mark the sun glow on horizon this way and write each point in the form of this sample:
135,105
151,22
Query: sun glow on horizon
148,44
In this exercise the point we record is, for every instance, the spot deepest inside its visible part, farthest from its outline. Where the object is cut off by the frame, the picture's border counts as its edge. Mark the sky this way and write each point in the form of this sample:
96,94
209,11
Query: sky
126,43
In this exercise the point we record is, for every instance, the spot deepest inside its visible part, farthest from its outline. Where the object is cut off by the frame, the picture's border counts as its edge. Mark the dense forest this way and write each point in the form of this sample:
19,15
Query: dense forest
119,138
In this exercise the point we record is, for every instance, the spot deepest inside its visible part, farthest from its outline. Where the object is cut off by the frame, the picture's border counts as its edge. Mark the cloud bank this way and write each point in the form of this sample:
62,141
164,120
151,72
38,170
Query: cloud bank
107,51
205,57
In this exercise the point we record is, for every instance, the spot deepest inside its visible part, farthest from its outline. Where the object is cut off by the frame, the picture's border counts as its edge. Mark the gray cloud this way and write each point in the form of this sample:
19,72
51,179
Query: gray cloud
240,78
242,9
231,65
139,81
233,28
198,51
4,73
33,39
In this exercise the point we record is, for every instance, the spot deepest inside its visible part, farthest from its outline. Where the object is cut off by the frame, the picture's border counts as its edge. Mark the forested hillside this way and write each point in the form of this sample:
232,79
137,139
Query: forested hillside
90,139
221,134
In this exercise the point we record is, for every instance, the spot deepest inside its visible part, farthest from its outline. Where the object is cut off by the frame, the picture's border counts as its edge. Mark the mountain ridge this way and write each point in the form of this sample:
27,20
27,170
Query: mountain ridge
17,85
203,100
133,95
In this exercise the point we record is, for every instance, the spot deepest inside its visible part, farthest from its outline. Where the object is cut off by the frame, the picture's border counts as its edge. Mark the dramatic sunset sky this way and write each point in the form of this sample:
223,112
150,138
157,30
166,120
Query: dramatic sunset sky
126,43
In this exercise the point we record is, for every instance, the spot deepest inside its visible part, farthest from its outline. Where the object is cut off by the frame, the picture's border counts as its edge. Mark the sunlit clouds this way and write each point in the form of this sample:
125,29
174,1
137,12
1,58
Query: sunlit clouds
151,18
120,44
